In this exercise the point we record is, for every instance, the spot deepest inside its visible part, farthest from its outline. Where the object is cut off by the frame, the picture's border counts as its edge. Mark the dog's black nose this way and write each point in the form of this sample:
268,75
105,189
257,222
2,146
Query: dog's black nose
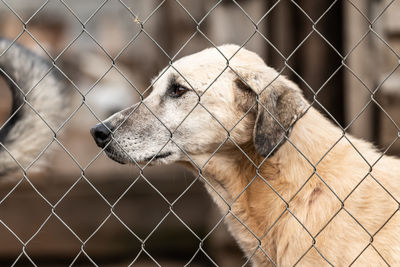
101,134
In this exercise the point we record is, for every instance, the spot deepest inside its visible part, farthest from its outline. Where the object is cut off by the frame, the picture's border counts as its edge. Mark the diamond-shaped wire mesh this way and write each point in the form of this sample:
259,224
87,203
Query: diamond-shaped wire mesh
62,201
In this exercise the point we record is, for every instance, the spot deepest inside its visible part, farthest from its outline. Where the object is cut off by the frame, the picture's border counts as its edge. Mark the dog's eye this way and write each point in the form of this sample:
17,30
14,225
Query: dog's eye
177,91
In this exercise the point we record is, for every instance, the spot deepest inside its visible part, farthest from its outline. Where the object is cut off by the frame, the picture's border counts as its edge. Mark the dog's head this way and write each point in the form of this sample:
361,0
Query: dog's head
217,96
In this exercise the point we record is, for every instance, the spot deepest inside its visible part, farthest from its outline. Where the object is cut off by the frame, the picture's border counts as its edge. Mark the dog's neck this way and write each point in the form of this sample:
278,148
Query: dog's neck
243,183
232,170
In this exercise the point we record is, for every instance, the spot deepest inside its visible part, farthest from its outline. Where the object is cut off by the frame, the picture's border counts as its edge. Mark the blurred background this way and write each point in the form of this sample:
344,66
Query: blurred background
335,50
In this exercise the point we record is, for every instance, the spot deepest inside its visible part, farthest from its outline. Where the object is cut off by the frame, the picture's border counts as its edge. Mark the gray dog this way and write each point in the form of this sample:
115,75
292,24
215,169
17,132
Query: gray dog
38,107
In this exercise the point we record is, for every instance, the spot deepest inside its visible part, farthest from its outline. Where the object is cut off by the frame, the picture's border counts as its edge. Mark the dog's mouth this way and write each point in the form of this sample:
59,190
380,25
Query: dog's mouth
114,157
124,158
159,156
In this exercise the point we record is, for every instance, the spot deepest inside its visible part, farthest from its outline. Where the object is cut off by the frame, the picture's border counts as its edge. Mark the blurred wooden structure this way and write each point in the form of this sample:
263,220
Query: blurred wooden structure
373,62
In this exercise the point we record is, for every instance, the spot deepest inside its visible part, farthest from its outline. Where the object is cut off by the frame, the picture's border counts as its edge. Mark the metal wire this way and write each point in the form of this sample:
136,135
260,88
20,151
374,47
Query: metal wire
200,176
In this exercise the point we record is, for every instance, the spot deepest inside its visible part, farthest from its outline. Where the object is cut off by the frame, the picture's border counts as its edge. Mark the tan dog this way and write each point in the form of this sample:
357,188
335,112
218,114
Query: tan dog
295,188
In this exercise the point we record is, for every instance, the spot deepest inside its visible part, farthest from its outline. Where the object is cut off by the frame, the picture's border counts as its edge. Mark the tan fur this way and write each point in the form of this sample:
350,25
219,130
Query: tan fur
342,240
320,195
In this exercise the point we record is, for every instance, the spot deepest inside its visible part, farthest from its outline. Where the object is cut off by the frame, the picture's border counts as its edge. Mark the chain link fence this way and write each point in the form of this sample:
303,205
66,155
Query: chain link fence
367,22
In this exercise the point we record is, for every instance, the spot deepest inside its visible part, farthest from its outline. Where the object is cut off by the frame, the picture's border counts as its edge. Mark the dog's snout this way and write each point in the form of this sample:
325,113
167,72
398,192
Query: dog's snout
102,134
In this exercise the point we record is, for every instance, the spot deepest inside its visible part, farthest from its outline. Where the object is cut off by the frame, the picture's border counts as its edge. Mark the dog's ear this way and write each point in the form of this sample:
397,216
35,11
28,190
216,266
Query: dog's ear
280,104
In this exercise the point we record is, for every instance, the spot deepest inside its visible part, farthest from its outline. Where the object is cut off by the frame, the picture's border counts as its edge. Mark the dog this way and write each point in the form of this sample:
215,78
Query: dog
39,102
295,188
